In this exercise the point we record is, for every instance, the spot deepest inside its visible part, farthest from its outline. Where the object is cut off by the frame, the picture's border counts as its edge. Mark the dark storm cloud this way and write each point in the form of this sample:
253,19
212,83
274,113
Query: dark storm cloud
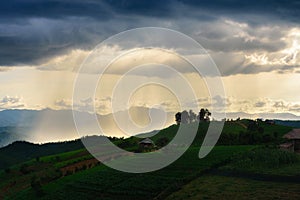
33,31
53,9
282,9
288,10
40,39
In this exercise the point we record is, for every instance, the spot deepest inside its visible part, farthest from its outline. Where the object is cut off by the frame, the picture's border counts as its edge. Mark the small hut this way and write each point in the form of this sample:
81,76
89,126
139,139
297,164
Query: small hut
294,141
147,143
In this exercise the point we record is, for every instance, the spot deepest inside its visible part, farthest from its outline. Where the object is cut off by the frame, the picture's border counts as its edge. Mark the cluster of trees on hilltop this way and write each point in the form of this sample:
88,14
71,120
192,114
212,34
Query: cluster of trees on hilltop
186,117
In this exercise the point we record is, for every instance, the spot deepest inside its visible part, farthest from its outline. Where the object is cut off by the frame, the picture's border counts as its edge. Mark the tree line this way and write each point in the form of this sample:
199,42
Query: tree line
186,117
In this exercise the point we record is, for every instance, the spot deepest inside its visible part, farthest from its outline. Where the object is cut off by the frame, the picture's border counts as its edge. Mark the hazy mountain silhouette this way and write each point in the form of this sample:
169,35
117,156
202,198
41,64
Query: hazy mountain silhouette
282,116
40,126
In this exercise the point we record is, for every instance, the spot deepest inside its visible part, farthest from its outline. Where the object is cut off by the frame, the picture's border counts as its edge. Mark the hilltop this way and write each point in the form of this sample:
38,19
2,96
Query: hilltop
47,125
66,169
234,132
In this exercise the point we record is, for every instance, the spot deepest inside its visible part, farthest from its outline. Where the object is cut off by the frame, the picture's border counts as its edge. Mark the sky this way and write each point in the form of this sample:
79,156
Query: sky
254,45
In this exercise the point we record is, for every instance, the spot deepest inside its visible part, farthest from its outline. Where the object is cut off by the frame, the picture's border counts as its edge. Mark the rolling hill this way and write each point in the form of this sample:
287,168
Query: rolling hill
67,170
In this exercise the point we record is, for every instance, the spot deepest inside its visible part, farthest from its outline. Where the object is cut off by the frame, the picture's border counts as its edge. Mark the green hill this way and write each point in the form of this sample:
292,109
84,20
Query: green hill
106,183
67,170
21,151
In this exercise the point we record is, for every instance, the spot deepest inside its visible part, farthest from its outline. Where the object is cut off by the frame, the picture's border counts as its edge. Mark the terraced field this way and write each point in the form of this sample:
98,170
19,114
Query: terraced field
76,174
107,183
222,187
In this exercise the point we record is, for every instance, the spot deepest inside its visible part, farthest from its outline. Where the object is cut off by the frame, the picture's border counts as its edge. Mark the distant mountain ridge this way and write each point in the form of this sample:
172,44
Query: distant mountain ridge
27,118
278,116
17,117
41,126
290,123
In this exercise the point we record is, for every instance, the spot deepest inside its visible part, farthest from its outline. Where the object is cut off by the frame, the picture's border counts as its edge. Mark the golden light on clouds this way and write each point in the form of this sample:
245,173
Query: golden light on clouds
286,56
70,61
254,45
50,84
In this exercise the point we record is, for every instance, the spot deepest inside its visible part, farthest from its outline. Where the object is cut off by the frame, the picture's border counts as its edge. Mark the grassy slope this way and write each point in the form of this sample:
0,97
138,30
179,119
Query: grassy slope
111,184
219,187
265,161
279,129
19,152
260,173
47,166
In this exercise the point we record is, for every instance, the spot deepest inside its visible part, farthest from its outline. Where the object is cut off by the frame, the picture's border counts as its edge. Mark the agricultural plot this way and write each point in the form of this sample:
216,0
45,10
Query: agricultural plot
221,187
111,184
265,161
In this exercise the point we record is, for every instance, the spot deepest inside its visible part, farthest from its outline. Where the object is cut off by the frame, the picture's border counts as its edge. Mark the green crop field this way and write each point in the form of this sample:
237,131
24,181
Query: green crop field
220,187
265,161
242,155
111,184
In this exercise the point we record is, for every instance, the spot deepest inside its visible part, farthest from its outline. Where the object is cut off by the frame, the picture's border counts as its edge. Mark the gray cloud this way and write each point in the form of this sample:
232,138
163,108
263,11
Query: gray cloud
232,104
220,101
260,104
101,105
231,63
33,32
103,10
226,35
8,102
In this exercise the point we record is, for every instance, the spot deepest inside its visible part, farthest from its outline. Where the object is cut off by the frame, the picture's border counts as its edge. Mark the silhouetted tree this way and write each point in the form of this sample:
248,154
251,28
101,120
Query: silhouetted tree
207,115
201,115
184,117
192,116
178,118
204,115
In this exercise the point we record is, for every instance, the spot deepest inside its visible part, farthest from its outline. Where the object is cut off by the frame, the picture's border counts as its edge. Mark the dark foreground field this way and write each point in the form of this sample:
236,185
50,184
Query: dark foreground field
233,170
